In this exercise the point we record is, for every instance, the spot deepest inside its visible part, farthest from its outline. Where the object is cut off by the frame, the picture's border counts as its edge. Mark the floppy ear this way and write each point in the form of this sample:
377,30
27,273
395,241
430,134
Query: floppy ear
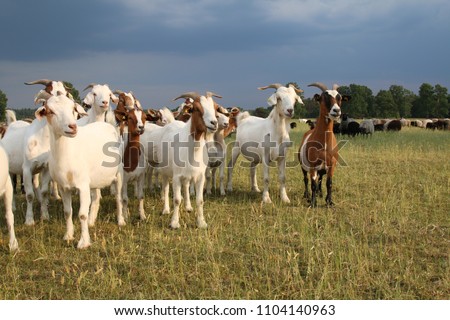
317,97
272,100
346,98
114,98
40,113
121,115
79,109
89,99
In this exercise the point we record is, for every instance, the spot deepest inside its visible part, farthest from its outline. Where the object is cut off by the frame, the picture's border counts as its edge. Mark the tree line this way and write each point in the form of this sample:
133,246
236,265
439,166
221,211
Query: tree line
396,102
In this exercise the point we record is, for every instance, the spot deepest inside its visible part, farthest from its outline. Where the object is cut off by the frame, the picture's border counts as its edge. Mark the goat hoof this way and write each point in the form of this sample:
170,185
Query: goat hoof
174,225
29,222
189,209
83,244
165,211
13,245
202,225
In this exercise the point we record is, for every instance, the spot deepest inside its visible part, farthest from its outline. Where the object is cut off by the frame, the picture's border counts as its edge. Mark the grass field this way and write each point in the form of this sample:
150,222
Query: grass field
387,237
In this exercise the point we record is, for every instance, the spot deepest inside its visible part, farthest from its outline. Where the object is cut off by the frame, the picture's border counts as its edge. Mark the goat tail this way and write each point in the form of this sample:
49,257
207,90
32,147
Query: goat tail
241,116
10,116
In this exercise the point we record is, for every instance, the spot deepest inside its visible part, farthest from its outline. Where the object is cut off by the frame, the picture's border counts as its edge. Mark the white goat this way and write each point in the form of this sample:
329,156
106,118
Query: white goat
150,137
182,156
79,159
100,111
266,140
217,154
99,101
6,191
27,146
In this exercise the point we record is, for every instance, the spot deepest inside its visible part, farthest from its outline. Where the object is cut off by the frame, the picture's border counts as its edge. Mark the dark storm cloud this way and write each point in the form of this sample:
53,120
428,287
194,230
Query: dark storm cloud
158,48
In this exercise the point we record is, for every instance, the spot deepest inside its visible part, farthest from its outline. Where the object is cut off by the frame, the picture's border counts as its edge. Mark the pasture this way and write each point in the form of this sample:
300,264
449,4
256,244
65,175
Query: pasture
387,237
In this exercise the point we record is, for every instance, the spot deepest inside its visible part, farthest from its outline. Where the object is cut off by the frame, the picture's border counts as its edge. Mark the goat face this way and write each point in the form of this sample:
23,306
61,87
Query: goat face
285,99
223,121
136,121
100,96
61,113
331,100
206,106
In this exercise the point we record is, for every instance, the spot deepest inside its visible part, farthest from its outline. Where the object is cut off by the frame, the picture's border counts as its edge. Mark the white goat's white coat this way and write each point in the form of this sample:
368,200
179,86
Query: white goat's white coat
6,191
184,159
32,143
218,161
100,111
78,161
266,140
99,99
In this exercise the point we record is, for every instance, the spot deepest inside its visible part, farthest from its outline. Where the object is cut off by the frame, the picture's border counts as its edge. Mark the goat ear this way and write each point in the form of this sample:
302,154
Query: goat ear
317,97
79,109
272,100
89,99
40,113
346,98
121,115
114,98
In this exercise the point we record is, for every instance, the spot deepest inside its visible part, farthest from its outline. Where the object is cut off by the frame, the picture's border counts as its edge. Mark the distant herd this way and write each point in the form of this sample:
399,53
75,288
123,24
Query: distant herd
351,127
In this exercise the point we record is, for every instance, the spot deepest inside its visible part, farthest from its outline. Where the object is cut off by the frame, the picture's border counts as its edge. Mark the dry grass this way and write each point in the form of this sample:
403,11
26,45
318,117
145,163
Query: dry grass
387,238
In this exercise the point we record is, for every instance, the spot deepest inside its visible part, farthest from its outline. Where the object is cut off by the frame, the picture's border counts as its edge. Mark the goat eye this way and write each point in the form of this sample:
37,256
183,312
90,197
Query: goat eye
94,94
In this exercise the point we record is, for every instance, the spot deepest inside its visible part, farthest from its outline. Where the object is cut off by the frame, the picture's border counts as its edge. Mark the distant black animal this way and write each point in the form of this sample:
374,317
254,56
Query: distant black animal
394,125
293,125
353,128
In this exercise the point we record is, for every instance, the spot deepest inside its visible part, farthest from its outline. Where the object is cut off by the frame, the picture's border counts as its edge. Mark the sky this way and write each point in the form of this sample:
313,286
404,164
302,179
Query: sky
161,48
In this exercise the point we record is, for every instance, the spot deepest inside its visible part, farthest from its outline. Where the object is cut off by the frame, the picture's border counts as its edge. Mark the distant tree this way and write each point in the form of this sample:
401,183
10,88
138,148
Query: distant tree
311,107
424,105
262,112
385,105
403,99
3,105
361,103
442,105
74,92
24,113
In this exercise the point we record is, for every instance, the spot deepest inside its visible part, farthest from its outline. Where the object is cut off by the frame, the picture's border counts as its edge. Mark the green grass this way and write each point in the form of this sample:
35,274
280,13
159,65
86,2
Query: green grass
387,237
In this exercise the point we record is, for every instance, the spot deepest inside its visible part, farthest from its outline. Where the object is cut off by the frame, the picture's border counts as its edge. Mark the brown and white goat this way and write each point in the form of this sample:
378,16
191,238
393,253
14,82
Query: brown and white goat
181,155
318,153
134,160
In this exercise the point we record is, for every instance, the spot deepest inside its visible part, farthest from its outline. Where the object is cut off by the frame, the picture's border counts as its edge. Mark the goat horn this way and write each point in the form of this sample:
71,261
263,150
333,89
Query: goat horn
210,94
118,91
90,85
41,95
192,95
335,86
45,82
297,90
319,85
273,85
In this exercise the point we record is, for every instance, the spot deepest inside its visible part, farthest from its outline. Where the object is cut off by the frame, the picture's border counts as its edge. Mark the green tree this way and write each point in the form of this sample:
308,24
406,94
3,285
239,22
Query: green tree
442,106
361,103
262,112
424,105
385,105
74,92
3,105
403,99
